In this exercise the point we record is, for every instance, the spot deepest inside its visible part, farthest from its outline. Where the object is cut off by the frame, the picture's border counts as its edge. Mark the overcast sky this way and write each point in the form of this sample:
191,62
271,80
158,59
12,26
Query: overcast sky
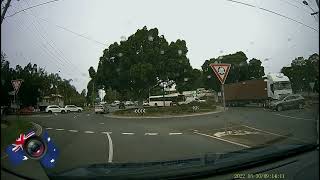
210,27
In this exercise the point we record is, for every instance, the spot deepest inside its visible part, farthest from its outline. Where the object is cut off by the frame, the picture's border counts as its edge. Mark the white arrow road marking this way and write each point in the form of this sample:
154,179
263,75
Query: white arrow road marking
110,157
151,134
239,144
175,133
60,129
89,132
127,133
72,130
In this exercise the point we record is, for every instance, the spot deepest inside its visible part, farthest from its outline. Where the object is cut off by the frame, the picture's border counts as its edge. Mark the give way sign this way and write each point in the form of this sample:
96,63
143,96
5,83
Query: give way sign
16,85
221,71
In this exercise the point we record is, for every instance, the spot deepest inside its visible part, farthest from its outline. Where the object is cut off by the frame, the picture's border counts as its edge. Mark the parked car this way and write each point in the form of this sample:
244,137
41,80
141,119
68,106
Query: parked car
26,110
55,109
100,109
288,102
115,103
200,100
122,105
73,108
145,103
129,103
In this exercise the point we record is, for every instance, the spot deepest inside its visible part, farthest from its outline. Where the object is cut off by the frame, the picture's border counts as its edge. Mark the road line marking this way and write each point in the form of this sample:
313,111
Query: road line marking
292,117
49,128
175,133
60,129
71,130
239,144
106,132
126,133
275,134
89,132
101,123
151,134
110,157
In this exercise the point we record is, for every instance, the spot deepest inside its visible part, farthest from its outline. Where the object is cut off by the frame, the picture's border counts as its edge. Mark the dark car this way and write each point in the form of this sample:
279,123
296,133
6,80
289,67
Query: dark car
122,105
291,101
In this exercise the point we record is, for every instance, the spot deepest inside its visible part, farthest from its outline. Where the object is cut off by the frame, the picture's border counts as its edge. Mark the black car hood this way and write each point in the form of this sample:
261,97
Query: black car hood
185,168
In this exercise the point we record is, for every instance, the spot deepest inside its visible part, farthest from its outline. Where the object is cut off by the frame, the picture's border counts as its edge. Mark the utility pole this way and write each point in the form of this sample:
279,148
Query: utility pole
5,10
93,94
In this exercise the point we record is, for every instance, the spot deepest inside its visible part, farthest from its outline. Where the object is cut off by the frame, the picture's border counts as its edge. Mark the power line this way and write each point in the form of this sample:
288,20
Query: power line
273,12
58,50
31,8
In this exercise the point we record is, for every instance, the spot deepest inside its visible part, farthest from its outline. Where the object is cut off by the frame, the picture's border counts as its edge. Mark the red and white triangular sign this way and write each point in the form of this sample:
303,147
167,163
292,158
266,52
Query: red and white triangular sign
16,85
221,71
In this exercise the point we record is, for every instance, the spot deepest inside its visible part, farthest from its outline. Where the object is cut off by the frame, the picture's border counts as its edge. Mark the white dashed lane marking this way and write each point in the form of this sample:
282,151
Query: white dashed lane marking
60,129
71,130
106,132
126,133
151,134
175,133
101,123
89,132
49,128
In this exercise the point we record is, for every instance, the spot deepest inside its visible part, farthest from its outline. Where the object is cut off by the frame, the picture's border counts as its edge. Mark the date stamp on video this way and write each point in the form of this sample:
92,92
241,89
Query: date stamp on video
259,176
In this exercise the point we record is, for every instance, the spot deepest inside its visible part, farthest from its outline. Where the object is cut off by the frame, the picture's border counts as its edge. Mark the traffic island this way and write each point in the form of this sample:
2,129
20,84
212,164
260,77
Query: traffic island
167,112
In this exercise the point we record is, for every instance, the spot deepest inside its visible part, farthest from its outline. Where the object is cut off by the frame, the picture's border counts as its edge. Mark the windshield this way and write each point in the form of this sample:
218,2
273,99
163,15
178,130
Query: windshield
145,81
282,85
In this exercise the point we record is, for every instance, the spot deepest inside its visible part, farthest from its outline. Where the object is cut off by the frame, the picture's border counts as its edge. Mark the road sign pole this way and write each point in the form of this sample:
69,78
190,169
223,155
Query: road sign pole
223,98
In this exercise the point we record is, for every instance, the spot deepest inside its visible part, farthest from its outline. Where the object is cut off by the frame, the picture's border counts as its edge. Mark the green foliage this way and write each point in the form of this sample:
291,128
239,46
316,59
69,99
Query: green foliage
36,84
302,72
256,71
141,62
238,71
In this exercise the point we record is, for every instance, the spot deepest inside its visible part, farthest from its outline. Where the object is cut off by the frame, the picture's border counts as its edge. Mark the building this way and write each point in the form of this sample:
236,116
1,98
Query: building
52,99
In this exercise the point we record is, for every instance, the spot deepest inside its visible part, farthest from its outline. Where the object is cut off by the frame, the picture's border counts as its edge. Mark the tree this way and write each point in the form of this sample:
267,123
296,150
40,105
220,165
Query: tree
302,72
238,71
143,61
256,70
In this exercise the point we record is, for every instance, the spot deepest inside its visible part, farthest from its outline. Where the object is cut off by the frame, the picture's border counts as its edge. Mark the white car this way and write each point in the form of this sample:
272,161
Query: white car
55,109
73,108
101,109
145,103
128,103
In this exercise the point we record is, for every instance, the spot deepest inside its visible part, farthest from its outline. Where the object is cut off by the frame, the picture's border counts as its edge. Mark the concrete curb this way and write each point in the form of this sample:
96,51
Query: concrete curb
219,109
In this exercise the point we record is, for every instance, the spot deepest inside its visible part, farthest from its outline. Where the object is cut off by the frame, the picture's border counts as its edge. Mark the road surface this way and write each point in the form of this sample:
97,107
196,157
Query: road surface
87,138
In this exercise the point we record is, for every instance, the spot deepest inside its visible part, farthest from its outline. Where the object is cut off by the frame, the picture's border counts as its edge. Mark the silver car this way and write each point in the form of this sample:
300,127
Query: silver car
288,102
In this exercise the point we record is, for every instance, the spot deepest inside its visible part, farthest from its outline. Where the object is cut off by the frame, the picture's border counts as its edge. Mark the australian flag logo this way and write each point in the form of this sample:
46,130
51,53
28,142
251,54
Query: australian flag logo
17,154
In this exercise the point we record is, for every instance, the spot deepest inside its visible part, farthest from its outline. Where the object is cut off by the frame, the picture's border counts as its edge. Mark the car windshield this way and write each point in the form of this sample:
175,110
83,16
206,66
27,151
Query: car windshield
132,83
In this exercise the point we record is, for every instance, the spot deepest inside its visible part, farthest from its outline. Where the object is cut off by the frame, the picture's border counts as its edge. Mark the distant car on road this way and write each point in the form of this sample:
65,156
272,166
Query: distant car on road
73,108
101,109
291,101
129,103
115,103
55,109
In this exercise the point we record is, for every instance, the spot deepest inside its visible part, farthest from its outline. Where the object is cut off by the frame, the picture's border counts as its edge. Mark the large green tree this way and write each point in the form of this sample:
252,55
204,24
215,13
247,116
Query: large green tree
302,72
142,61
255,69
238,71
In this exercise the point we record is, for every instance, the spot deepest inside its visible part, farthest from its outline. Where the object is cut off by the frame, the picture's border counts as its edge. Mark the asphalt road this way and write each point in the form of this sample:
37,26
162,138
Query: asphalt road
87,138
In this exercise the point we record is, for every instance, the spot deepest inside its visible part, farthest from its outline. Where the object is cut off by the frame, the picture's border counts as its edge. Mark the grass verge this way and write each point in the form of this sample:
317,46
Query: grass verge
12,131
